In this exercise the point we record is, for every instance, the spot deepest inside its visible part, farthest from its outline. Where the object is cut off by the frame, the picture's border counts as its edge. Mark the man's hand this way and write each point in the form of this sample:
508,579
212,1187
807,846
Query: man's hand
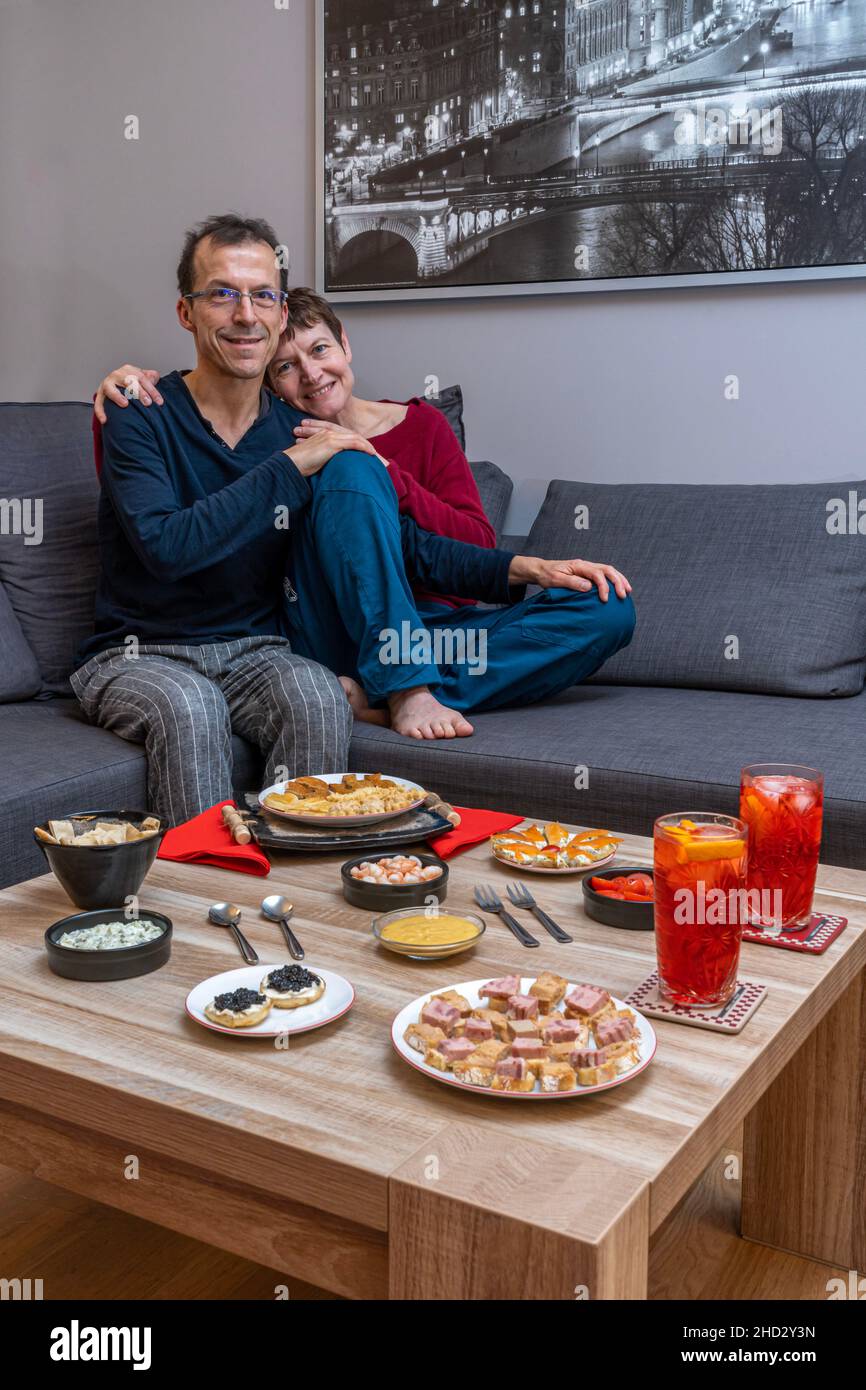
567,574
143,380
310,425
309,455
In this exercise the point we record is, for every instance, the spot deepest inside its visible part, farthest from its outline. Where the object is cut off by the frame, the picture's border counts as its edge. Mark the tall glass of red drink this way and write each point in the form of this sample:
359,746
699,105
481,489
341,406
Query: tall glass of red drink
782,804
700,906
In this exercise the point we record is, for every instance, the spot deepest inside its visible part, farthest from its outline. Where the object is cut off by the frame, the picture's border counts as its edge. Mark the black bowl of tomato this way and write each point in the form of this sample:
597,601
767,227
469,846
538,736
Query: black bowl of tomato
620,897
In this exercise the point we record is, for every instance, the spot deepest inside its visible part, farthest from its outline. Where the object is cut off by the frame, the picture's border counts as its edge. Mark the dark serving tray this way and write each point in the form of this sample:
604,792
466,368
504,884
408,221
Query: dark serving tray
272,833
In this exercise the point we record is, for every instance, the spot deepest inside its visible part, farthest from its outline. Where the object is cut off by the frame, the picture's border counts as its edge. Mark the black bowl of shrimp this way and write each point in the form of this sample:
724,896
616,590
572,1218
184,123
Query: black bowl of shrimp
387,881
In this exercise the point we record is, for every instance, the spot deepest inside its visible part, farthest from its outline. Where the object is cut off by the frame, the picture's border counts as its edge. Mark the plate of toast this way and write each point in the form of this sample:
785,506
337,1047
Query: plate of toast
265,1001
341,798
525,1037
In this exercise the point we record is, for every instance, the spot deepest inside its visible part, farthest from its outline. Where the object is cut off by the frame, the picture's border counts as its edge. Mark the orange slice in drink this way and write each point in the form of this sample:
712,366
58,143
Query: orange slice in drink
702,851
683,831
701,845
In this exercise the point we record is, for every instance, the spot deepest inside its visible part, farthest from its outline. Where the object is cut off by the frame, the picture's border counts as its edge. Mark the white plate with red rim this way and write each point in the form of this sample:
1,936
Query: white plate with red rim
469,989
338,998
313,818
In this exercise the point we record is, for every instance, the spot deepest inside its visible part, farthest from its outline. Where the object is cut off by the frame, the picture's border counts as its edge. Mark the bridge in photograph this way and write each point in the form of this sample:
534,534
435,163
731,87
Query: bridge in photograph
447,227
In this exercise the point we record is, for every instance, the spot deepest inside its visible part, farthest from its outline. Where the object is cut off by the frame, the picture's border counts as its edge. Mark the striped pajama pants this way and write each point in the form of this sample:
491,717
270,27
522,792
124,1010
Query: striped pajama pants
185,702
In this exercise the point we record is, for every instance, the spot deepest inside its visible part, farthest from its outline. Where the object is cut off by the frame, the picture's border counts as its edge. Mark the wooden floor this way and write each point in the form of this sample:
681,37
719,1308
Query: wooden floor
83,1250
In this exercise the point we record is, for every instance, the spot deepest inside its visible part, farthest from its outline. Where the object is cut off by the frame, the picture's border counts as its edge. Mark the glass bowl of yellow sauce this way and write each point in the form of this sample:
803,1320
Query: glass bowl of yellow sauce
427,934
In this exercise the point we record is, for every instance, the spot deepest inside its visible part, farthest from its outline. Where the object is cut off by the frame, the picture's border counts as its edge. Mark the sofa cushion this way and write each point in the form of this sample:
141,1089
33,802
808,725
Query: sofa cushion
495,488
46,456
19,674
494,485
54,762
736,587
647,751
450,402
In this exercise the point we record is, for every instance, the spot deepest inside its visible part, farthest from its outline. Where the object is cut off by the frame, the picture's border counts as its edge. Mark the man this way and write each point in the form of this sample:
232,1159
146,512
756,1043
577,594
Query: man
189,644
355,555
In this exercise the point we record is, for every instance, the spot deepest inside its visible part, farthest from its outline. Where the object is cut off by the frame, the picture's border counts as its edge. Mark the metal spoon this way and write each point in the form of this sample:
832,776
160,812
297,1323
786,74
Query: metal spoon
280,910
228,915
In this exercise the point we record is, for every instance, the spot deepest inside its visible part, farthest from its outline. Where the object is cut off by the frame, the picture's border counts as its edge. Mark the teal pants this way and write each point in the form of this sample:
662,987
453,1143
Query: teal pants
353,610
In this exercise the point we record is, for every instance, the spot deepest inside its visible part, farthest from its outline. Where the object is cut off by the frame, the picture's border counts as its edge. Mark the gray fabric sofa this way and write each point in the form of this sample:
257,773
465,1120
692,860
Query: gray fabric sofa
750,647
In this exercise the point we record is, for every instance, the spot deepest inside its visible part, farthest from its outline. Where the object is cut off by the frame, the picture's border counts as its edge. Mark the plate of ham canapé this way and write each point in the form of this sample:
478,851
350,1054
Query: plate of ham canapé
525,1037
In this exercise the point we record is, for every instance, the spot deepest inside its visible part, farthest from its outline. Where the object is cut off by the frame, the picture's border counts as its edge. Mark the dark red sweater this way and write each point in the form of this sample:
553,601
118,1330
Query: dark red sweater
432,478
433,481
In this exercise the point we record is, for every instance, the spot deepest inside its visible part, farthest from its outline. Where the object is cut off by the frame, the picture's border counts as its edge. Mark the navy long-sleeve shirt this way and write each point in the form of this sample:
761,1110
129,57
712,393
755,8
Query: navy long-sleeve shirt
194,535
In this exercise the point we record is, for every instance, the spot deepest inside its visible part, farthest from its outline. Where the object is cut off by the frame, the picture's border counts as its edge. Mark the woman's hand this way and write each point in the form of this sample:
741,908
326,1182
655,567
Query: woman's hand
142,380
567,574
313,452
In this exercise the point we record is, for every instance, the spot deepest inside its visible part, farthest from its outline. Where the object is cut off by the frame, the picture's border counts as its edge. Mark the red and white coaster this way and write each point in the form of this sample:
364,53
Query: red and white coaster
814,938
730,1018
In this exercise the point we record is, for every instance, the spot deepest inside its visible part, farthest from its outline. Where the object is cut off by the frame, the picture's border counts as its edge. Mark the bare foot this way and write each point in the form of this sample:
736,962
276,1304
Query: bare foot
357,698
418,714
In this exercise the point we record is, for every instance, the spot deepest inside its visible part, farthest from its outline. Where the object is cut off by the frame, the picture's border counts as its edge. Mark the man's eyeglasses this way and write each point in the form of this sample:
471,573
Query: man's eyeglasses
221,297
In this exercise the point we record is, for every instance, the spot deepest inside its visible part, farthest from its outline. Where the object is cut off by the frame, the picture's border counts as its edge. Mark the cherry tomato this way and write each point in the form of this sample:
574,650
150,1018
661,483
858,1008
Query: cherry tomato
639,883
604,885
633,888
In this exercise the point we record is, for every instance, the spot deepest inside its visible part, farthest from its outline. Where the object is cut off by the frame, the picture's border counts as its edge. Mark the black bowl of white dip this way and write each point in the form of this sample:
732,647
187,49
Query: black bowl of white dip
105,945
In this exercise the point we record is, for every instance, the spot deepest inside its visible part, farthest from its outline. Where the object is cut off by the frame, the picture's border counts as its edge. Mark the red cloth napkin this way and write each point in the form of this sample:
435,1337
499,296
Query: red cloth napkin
474,827
206,839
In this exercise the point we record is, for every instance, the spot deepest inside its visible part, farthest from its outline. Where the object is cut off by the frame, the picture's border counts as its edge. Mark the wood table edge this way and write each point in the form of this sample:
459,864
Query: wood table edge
336,1187
285,1235
698,1147
450,1242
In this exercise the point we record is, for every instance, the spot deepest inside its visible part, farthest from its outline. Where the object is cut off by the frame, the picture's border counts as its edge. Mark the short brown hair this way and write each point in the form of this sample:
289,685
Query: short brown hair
226,229
306,309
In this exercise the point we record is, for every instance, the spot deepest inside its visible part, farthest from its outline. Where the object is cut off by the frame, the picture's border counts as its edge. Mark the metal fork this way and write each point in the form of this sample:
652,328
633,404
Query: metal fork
521,897
488,901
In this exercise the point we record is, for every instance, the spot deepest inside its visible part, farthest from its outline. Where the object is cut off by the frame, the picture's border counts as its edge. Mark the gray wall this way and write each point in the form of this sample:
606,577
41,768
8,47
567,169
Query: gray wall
613,385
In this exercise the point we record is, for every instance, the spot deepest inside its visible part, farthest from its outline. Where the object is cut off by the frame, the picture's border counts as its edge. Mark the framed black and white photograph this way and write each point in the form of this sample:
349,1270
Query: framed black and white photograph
472,147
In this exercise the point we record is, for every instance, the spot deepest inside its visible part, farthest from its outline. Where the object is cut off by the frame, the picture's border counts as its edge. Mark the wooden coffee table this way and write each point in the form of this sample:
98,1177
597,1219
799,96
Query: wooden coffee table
337,1163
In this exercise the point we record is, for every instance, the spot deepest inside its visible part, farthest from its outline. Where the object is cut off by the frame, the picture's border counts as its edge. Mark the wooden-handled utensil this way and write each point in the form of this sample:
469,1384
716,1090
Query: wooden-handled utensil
240,831
434,802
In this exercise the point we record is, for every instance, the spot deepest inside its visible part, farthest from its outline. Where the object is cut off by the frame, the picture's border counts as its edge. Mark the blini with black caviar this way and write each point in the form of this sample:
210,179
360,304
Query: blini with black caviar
292,987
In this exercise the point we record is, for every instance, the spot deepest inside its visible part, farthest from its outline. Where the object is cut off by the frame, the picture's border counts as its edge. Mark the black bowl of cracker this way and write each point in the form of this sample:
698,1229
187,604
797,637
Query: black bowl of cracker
100,858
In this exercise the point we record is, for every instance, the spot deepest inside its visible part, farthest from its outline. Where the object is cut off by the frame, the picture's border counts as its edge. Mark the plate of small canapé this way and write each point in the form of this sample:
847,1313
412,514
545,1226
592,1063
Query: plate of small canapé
341,798
265,1001
525,1037
551,848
